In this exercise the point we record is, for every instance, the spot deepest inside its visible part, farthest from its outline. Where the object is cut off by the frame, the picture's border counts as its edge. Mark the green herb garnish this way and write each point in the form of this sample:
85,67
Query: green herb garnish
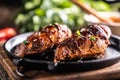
78,33
92,38
25,42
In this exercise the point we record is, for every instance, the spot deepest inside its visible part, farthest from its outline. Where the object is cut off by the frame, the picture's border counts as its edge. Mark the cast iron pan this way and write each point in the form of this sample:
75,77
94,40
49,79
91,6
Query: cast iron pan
112,56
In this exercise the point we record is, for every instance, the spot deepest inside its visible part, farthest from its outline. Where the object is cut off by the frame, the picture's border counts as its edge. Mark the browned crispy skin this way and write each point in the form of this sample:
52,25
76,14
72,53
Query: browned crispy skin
92,43
42,40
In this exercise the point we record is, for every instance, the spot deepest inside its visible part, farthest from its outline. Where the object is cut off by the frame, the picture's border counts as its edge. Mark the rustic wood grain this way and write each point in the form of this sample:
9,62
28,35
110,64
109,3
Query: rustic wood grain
3,74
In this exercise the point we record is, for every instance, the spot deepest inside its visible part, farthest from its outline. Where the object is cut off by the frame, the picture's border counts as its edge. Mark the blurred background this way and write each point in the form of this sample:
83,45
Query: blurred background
30,15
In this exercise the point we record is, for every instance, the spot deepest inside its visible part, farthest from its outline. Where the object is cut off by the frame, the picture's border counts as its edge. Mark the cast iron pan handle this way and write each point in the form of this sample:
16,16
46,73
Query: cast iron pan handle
18,62
20,68
20,71
115,41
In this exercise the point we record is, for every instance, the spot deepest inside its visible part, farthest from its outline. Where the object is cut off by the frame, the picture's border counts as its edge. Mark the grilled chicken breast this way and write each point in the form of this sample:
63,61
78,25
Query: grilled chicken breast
42,40
88,42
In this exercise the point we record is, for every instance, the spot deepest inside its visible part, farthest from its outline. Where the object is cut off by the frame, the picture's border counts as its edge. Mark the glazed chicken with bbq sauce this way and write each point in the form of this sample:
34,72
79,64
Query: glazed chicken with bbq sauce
88,42
43,40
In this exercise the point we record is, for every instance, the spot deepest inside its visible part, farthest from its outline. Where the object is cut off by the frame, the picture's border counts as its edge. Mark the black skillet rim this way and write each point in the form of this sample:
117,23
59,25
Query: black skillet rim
113,37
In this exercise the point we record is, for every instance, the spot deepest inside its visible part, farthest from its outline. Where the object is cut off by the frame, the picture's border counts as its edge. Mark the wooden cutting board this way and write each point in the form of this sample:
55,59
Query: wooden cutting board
111,72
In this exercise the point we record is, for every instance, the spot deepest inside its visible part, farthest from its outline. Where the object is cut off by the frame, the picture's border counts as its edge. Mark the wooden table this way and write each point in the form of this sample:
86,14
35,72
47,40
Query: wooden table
8,72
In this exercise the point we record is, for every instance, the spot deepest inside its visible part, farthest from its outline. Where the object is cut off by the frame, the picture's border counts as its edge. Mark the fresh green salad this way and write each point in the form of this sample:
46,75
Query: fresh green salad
39,13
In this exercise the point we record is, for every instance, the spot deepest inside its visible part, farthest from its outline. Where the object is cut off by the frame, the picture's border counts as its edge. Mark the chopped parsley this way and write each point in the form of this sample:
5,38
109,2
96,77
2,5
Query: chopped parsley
78,33
25,42
92,38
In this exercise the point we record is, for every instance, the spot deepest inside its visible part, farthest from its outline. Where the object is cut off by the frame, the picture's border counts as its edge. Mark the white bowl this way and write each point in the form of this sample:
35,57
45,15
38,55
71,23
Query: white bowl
114,28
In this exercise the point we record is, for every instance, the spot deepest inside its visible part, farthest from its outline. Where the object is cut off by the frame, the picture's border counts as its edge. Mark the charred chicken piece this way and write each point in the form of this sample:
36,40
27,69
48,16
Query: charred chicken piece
42,40
88,42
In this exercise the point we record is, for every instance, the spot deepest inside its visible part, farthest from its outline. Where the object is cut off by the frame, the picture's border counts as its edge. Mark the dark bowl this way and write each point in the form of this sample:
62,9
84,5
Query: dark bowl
111,56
